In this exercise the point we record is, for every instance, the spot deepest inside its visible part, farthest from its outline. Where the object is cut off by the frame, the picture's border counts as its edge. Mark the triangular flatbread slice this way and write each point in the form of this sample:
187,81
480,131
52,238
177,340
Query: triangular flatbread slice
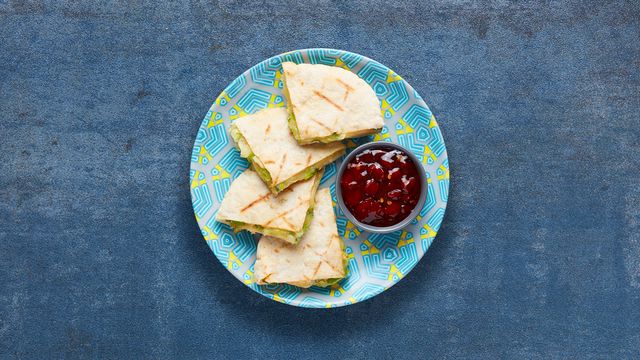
328,103
265,140
249,205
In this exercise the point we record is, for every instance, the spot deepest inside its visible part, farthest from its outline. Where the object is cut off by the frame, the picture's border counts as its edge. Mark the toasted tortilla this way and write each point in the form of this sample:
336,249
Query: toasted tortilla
328,103
250,205
319,258
265,140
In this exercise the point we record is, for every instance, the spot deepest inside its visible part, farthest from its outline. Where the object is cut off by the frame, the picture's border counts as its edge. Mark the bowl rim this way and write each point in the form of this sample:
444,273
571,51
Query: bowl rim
416,209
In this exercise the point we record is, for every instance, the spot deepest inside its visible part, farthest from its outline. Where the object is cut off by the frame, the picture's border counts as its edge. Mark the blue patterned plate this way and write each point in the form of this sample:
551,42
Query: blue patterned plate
376,261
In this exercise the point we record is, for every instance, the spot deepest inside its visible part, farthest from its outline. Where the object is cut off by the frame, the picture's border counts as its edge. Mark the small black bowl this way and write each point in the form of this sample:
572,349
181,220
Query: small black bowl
416,210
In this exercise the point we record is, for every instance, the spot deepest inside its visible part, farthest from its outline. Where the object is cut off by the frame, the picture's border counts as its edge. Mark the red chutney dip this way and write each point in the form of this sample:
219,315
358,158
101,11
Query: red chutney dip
380,186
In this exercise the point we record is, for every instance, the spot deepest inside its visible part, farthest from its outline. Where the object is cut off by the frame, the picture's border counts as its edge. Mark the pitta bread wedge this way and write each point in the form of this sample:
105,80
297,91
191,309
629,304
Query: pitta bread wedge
328,103
265,140
319,259
249,205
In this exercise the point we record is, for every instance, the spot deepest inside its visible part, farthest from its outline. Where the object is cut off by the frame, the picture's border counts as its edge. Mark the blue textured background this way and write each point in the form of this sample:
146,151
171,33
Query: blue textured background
100,254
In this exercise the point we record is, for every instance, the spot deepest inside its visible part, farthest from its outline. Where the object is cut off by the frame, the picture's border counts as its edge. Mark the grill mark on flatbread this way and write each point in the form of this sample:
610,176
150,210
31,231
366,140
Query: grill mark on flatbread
268,129
255,202
269,162
328,100
346,87
321,124
308,160
317,253
325,250
288,223
277,177
317,268
281,215
331,266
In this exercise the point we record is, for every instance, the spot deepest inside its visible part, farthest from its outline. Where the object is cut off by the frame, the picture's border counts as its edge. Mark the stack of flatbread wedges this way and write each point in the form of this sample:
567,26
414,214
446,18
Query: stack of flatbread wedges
288,149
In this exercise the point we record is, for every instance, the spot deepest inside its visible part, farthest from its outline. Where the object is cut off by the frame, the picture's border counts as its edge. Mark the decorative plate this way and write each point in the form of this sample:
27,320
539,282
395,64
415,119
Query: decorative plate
376,261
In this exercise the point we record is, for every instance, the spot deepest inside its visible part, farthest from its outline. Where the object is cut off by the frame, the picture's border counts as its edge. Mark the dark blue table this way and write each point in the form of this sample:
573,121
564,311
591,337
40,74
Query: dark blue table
100,254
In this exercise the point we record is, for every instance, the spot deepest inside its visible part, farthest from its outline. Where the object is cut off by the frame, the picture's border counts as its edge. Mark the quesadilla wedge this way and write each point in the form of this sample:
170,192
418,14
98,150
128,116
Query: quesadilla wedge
249,205
265,140
319,259
328,103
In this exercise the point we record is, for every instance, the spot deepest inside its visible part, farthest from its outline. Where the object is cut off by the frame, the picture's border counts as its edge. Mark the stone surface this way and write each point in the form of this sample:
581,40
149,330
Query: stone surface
539,253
